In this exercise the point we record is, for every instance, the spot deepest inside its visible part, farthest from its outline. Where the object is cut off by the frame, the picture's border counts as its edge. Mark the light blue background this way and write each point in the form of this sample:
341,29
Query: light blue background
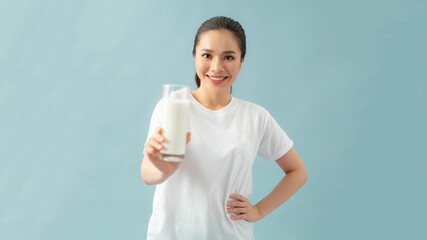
345,79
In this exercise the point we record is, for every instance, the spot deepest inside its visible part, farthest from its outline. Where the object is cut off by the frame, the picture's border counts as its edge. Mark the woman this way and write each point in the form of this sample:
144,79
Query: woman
206,196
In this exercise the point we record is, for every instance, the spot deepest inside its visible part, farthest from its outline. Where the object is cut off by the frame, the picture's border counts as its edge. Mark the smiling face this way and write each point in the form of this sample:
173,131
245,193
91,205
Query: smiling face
218,61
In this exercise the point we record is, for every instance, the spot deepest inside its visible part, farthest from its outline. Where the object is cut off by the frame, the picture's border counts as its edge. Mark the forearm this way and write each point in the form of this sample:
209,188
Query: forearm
155,172
287,187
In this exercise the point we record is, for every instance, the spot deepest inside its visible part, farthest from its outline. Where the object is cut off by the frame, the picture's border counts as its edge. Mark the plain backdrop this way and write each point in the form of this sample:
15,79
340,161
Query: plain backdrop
345,79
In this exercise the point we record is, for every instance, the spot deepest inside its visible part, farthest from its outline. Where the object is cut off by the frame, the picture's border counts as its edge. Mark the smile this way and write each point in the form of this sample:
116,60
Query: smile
217,78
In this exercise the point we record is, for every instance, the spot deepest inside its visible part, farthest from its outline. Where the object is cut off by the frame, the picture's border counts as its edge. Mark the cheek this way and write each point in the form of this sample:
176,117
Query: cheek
201,66
234,69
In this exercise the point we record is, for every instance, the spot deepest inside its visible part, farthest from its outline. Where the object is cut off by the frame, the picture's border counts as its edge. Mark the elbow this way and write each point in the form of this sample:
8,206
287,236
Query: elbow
304,175
301,176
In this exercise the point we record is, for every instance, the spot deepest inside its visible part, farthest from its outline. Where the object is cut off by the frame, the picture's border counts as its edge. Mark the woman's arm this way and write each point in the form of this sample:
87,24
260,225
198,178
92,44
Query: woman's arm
153,169
295,177
157,171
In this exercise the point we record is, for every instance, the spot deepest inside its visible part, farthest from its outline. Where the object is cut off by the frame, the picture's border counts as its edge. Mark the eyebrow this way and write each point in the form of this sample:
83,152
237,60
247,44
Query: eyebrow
226,52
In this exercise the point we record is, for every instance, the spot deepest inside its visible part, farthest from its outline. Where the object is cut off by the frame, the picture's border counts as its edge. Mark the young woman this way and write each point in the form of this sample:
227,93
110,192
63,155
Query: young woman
206,195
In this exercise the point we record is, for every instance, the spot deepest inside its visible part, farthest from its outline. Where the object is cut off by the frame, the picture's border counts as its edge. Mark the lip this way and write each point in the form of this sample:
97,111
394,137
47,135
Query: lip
215,78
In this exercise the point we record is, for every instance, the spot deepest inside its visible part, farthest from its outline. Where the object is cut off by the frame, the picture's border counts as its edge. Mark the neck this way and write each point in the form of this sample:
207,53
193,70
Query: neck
213,101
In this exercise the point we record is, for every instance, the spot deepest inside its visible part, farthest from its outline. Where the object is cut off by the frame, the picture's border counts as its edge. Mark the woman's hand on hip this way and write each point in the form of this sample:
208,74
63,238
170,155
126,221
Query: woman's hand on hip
244,208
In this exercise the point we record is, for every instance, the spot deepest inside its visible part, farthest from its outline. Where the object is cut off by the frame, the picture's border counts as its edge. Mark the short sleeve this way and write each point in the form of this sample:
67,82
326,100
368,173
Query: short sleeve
274,141
156,120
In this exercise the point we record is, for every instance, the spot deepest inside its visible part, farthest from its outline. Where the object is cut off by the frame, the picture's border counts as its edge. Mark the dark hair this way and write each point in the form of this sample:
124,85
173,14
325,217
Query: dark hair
218,23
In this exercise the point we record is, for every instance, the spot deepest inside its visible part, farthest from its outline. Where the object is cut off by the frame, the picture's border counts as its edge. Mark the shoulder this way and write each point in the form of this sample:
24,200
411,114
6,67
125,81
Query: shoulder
251,107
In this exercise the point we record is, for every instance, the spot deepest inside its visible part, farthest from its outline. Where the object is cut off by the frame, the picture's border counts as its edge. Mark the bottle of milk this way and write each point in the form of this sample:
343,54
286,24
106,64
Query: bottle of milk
175,122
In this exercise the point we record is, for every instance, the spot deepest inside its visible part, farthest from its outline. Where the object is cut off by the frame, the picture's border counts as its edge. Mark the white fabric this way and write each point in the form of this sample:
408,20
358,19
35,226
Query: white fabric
191,204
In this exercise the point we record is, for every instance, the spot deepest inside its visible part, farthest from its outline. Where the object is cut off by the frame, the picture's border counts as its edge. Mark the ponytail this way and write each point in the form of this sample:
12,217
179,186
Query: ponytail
197,80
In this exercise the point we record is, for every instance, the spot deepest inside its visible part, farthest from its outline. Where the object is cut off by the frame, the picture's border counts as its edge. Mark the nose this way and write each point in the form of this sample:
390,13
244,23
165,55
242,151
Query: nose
217,65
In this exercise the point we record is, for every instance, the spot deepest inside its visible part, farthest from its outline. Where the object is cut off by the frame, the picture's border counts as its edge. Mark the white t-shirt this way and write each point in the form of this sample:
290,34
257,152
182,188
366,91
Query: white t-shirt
191,204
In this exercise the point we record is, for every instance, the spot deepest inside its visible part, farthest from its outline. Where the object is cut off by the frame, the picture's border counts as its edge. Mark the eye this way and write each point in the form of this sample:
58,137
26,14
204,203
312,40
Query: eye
229,58
206,55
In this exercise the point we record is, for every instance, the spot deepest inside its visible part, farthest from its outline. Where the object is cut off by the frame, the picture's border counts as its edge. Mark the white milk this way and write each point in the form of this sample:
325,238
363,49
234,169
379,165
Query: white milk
175,127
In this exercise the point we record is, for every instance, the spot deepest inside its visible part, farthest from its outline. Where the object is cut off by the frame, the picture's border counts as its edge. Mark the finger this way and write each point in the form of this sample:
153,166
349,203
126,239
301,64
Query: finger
236,204
159,130
151,152
239,217
154,144
238,197
188,137
159,137
237,210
